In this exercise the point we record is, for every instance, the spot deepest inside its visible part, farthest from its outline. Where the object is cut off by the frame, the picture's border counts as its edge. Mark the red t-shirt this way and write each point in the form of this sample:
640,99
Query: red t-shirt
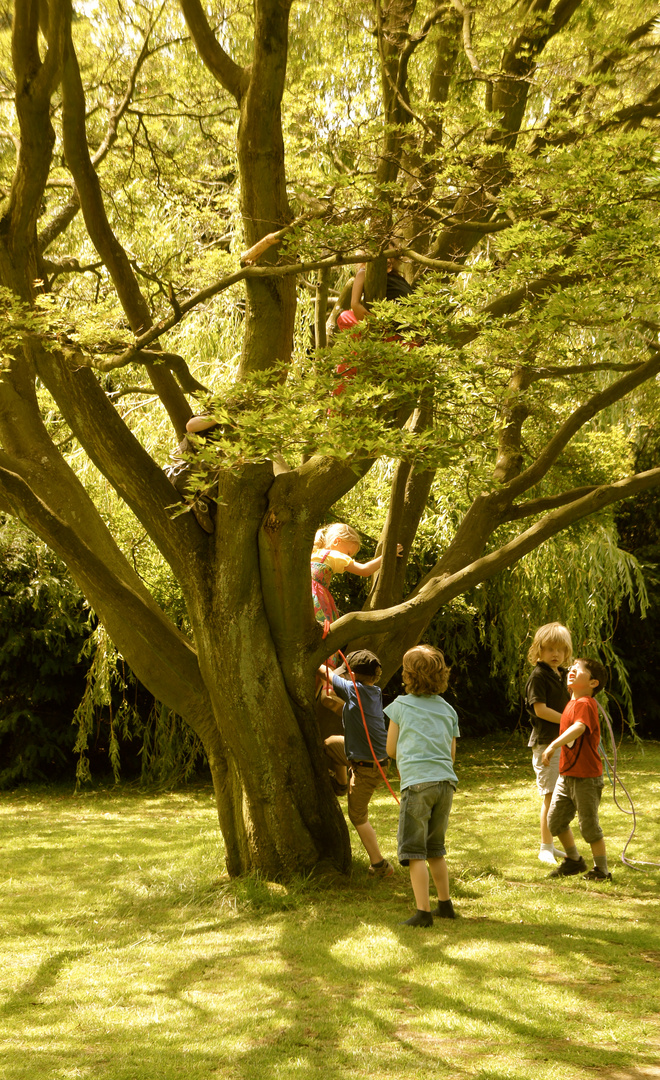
582,758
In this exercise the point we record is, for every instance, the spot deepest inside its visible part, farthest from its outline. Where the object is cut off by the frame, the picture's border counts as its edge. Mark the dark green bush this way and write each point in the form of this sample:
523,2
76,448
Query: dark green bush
44,622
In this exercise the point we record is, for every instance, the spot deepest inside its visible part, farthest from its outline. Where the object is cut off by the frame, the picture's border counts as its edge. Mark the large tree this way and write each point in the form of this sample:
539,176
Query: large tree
507,153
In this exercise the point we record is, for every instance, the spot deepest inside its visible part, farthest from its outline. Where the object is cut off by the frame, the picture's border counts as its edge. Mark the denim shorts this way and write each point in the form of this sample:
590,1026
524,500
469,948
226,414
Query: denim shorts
423,818
579,794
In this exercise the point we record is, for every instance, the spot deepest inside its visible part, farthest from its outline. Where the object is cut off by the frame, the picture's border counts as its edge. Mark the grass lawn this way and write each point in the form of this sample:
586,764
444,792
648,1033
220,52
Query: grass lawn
127,955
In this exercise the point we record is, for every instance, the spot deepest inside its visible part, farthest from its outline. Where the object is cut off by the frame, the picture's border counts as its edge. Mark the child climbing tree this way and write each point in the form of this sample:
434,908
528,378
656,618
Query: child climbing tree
486,151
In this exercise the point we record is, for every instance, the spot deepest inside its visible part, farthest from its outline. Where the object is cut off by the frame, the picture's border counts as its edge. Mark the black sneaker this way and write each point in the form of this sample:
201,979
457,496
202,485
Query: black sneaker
444,910
596,874
339,789
569,867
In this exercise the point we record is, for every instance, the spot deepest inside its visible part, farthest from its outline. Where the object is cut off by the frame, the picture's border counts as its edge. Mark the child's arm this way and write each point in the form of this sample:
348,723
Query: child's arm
570,735
453,749
544,712
357,307
392,738
368,568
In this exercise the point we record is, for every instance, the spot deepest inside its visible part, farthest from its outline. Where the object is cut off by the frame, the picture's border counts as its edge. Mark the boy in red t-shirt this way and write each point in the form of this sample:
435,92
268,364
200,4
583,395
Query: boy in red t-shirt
580,783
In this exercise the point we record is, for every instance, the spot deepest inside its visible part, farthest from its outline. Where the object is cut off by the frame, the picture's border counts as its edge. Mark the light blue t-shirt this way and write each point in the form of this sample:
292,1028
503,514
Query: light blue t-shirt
427,726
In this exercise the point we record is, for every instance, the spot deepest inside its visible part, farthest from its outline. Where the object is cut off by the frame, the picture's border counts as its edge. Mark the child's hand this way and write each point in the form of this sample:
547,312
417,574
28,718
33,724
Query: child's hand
399,550
547,754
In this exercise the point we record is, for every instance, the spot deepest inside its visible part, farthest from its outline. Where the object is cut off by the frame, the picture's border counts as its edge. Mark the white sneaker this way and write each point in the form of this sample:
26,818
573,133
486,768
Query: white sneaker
547,857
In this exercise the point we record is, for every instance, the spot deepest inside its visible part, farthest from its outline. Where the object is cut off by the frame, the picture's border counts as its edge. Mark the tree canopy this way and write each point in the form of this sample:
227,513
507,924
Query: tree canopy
187,192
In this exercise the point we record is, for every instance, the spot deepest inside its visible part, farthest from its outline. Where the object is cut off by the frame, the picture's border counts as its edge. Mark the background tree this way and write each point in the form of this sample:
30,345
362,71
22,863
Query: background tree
508,155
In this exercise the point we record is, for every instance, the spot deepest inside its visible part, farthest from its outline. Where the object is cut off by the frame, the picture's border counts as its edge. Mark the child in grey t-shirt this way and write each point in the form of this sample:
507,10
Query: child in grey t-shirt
422,737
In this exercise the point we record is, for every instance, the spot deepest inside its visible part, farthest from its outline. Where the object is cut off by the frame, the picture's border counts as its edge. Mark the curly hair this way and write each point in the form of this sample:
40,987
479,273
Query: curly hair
553,633
337,531
425,671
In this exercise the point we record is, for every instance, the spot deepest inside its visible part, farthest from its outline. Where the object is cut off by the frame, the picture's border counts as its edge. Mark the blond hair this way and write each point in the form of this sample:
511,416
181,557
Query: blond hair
425,671
337,531
552,633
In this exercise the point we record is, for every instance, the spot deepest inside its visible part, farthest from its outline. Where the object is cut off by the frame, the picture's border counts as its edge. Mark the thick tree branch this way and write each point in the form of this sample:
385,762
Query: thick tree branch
248,272
119,456
466,14
571,103
164,662
549,502
441,590
230,75
35,82
65,215
618,390
102,235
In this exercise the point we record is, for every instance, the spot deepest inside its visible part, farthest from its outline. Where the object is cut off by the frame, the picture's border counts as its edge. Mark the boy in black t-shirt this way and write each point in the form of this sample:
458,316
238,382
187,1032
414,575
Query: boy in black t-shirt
546,696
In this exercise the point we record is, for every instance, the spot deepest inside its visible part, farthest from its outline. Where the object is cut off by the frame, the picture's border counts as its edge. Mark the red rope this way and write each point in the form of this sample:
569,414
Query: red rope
364,721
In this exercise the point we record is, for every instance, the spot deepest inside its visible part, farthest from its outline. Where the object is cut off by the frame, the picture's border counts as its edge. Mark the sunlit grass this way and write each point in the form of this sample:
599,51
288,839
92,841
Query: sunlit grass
127,954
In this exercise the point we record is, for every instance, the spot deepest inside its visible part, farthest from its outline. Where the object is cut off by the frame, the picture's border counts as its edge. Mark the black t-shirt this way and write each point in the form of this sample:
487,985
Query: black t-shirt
397,286
545,688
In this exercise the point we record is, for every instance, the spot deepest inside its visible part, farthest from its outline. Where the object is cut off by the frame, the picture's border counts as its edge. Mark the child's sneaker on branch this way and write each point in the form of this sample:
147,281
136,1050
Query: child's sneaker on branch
381,869
569,867
596,874
339,789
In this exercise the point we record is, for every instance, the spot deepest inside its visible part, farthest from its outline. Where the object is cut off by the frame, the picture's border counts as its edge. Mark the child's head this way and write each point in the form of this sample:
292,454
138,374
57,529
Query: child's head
339,537
365,665
584,674
425,671
548,639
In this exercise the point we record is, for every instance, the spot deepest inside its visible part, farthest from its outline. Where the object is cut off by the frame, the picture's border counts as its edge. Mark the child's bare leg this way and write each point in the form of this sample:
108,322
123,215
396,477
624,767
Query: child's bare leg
367,835
440,874
546,835
419,879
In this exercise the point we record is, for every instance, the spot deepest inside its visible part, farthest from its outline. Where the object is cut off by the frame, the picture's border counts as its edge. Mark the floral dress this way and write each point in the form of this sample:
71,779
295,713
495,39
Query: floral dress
325,564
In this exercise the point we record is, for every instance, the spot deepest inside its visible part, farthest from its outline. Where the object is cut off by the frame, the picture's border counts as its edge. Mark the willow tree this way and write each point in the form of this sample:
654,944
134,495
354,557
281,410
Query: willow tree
508,155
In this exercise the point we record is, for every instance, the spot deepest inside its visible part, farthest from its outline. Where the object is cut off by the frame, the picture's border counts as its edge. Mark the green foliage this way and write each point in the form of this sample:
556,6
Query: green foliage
64,689
635,640
43,623
169,751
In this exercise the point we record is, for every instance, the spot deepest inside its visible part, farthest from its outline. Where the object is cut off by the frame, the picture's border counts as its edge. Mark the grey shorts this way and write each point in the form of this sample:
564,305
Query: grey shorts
423,818
581,795
546,775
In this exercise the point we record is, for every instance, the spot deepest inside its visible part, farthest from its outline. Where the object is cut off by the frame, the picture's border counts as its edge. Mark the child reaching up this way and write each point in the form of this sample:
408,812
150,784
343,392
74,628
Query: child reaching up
354,768
335,548
422,736
546,697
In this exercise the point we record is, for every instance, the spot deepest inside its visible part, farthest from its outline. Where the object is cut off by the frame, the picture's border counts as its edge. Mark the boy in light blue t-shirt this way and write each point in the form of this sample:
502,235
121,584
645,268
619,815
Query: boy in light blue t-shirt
422,737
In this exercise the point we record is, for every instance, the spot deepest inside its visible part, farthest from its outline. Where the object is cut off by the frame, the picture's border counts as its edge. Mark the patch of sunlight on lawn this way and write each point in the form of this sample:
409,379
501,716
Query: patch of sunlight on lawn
128,955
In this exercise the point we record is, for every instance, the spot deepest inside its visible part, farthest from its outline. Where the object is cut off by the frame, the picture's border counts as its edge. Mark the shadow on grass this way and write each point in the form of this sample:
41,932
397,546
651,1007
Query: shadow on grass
252,979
